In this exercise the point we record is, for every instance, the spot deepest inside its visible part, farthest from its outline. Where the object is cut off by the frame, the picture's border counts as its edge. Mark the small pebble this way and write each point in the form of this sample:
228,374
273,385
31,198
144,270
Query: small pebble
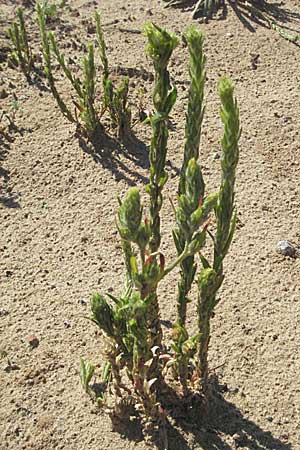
284,436
285,248
33,341
3,94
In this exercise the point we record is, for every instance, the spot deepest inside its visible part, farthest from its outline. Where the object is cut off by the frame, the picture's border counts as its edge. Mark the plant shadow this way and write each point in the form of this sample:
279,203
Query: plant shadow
189,5
265,14
122,159
259,12
8,198
218,425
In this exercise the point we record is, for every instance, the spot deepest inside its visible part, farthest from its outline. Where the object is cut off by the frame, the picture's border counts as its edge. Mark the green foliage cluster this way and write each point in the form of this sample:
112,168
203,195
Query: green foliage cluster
87,116
49,9
22,54
141,367
130,322
115,99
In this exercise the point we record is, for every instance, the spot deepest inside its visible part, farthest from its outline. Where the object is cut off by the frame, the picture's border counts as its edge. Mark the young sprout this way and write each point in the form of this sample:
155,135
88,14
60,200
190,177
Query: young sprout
22,54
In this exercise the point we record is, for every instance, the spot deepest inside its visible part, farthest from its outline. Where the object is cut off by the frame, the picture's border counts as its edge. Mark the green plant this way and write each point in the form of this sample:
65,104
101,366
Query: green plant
86,372
85,88
8,124
212,276
49,10
189,198
115,99
131,321
46,51
22,55
96,392
86,116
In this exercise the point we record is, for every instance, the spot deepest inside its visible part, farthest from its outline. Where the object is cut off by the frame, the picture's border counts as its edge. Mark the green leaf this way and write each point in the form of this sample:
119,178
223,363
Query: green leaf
170,102
204,261
86,372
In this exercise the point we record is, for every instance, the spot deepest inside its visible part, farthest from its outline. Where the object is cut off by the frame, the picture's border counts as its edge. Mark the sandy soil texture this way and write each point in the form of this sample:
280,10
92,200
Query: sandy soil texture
58,241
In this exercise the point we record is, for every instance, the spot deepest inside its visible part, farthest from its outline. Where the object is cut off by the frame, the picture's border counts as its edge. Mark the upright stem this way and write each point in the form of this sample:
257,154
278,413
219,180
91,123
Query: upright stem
160,47
208,284
183,235
194,118
210,279
61,60
230,156
89,74
47,61
195,111
102,48
28,63
158,153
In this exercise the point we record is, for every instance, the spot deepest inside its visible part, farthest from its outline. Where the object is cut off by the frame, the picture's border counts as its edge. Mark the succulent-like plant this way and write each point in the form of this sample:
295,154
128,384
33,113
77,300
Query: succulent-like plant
115,99
22,54
87,116
85,88
46,51
212,276
131,321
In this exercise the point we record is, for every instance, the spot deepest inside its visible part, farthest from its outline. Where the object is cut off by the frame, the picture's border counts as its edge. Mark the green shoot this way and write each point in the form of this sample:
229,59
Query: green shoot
86,372
46,51
115,99
87,115
22,54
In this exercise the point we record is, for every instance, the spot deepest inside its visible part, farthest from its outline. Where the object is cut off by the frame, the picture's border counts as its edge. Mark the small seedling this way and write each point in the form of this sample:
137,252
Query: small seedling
9,117
86,372
96,391
22,54
49,10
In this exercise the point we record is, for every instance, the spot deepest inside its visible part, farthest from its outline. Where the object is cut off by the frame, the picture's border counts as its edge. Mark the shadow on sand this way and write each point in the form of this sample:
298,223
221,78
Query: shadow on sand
117,157
8,198
221,426
122,159
260,12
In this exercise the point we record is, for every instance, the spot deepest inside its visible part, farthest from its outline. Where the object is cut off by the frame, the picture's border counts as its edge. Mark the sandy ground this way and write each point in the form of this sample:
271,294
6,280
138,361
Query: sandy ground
58,241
